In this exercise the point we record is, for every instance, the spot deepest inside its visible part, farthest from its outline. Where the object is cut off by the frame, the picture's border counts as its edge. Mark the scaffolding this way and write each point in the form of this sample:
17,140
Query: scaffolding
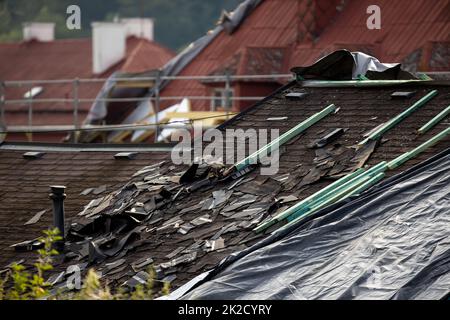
138,82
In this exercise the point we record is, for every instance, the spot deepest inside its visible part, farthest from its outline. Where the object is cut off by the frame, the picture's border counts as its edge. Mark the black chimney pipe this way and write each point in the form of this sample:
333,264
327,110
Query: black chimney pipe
58,196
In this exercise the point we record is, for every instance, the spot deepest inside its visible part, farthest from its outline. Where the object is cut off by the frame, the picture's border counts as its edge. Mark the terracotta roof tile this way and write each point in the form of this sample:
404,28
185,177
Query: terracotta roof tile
407,25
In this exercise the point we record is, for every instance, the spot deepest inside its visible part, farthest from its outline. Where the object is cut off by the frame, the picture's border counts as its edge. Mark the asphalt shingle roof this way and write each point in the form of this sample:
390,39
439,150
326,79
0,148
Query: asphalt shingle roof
149,217
25,186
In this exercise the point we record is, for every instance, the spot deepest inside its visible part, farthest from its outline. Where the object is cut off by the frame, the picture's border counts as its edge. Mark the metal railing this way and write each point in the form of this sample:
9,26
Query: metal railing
156,100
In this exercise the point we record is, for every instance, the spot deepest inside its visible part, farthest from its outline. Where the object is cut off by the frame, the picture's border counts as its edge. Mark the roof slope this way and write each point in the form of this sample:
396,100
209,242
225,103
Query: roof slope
25,185
406,26
271,24
185,229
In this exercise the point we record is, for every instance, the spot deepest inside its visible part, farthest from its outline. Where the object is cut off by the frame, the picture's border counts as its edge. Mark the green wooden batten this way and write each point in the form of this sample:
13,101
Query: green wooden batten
302,204
438,118
355,183
413,153
366,183
301,127
397,119
370,172
372,181
330,197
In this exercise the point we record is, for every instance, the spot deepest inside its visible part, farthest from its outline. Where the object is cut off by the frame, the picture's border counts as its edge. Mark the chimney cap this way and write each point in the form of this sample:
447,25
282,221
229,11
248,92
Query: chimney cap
105,23
58,189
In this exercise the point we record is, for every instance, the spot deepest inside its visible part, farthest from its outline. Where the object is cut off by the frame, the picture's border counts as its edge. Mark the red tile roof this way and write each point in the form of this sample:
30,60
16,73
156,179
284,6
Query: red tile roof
66,59
406,26
254,61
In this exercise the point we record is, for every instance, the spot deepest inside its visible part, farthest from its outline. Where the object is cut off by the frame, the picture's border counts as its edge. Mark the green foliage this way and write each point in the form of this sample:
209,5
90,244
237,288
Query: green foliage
177,22
28,286
32,286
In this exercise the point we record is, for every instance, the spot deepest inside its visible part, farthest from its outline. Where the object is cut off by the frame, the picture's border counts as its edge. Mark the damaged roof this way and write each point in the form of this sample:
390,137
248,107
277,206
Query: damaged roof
183,221
27,170
390,243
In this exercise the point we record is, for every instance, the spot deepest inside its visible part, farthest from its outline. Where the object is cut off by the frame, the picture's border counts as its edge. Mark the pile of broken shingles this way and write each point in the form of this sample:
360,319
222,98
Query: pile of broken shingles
184,222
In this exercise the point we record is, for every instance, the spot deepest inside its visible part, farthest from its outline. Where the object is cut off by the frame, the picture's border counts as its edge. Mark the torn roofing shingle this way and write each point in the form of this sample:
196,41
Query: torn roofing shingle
181,221
36,217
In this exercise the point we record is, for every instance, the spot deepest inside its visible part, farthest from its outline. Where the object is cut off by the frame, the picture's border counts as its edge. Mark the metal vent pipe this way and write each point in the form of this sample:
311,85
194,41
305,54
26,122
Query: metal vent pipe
57,195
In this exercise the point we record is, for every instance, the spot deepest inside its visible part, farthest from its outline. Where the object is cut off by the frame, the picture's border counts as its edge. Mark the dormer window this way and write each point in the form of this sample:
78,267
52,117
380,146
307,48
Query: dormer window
220,101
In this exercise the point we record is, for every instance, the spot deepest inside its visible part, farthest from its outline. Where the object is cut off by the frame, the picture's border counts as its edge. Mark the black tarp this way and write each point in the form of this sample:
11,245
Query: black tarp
392,242
346,65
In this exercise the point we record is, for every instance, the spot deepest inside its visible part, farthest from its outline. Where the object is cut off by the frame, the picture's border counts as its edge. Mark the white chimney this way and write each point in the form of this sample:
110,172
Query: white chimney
40,31
139,27
108,45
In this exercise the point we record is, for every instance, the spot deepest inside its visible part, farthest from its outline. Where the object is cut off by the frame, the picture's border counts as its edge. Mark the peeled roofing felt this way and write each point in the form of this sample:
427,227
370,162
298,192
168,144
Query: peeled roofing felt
154,211
390,243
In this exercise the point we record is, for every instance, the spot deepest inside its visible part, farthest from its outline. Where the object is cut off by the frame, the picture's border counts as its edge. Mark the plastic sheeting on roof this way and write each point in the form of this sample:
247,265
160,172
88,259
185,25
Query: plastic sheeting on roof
183,106
232,21
177,64
99,109
390,243
346,65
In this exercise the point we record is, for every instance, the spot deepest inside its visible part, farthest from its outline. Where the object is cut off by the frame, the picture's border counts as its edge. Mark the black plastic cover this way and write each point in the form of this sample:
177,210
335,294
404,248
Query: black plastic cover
392,242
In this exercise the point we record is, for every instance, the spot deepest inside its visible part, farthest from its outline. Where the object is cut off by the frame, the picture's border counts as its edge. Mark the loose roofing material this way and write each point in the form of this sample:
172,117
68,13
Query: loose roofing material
389,243
346,65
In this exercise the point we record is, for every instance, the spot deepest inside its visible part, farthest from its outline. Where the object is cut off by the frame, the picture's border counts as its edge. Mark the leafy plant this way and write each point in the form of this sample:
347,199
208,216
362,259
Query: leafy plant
25,285
32,286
